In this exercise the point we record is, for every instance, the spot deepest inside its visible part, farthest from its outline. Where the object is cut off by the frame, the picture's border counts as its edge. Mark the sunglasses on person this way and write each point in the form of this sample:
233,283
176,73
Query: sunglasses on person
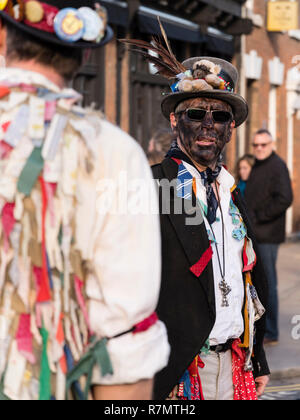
263,145
197,114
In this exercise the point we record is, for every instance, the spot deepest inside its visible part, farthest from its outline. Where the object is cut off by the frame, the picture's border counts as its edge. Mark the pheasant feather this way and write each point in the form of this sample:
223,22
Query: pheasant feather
164,60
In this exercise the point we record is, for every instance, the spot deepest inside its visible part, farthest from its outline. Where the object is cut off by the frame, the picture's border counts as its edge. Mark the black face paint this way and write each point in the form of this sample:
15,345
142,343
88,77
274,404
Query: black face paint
204,141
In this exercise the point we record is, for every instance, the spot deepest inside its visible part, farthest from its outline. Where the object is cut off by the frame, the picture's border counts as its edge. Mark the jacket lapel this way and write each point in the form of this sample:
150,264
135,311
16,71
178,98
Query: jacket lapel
190,229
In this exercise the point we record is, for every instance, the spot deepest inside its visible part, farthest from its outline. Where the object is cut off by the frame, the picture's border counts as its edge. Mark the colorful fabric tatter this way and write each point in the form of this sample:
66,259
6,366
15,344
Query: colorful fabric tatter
190,387
49,167
184,183
243,382
240,231
34,210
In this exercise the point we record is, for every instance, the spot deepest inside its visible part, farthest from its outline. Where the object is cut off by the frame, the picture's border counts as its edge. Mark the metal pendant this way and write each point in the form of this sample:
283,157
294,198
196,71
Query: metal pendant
225,290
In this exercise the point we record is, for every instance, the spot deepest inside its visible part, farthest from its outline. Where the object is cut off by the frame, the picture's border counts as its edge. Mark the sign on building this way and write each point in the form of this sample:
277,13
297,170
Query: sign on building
282,15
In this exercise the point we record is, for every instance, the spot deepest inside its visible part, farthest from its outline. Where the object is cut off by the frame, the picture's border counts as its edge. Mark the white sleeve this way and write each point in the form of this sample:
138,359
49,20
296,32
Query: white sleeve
127,262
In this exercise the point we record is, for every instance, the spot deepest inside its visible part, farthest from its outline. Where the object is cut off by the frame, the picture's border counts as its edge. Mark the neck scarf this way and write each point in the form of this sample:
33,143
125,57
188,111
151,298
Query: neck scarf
208,177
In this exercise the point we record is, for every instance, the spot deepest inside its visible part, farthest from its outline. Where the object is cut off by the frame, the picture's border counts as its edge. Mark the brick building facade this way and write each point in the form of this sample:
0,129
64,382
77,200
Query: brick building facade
129,93
270,82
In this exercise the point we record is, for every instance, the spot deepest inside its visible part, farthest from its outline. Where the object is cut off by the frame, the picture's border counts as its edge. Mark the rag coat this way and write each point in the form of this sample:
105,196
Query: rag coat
187,301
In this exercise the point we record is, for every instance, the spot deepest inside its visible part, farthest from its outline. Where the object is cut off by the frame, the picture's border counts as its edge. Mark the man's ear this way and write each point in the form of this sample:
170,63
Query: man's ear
2,39
173,121
231,127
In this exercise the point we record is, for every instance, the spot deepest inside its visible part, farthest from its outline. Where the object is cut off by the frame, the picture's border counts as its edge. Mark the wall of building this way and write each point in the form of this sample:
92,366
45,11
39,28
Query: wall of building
269,105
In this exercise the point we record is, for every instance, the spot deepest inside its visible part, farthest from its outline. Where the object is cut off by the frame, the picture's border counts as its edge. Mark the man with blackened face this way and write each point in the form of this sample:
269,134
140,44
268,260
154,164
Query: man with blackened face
213,294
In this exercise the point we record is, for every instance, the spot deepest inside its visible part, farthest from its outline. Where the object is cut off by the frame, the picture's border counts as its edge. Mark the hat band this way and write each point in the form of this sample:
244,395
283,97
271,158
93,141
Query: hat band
42,17
68,24
228,82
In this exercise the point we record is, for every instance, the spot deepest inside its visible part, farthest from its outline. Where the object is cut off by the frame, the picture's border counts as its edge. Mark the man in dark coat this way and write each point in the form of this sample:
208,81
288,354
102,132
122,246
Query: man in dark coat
268,195
213,289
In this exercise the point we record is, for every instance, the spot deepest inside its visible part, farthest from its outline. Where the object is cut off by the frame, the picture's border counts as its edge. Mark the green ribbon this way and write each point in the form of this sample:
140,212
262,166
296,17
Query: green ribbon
206,348
3,397
45,374
96,356
31,172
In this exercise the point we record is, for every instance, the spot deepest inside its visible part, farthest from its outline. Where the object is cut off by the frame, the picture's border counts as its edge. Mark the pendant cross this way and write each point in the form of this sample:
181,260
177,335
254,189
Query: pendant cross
225,290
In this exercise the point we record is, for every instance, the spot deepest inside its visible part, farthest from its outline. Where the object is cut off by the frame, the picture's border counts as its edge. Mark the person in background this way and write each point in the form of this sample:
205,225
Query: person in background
159,145
268,195
243,170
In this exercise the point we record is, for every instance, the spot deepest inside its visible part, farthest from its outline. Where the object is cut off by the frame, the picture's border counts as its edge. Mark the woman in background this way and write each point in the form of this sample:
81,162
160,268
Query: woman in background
159,145
243,170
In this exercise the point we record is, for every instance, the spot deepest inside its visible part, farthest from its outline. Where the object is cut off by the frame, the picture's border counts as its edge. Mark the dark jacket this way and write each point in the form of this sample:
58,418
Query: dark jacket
187,301
268,195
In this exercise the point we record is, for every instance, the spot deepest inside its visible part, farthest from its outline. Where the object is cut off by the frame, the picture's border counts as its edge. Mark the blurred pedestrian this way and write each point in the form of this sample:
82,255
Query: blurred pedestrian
268,196
243,170
159,146
78,285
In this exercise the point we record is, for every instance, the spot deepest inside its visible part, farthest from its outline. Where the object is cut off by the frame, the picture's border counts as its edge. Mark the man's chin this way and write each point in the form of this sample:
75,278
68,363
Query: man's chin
208,157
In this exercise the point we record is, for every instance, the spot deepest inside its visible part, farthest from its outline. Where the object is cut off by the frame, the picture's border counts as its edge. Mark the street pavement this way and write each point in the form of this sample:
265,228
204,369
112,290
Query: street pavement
283,389
284,359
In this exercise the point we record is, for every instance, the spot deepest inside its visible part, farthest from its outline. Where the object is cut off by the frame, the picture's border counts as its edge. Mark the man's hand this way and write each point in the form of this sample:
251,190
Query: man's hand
139,391
261,383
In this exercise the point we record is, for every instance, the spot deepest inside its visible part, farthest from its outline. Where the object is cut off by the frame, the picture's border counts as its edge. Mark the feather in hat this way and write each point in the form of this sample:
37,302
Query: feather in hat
166,63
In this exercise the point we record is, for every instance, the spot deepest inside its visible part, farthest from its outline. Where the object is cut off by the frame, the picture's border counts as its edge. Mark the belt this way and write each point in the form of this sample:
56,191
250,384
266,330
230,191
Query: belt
222,348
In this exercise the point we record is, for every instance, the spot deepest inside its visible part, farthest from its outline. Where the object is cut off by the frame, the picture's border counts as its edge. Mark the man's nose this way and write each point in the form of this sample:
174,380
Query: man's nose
208,120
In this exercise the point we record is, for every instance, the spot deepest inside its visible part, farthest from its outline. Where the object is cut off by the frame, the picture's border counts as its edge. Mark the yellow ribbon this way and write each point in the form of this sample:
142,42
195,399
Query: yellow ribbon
246,343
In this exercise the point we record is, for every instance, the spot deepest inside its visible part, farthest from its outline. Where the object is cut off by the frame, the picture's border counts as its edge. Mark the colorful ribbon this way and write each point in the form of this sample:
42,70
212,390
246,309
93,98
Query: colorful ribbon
45,374
190,387
31,172
25,339
243,382
145,324
96,356
44,291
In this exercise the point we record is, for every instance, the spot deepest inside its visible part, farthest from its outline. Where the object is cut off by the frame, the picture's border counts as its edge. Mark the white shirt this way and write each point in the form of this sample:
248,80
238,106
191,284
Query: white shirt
229,320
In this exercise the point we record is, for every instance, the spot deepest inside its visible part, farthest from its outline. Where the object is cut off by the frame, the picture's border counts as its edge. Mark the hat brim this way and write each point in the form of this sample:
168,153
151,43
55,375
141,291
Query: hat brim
238,104
52,38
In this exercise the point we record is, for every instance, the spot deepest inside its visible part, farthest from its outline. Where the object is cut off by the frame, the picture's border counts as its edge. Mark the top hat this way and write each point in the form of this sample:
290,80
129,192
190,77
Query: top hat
73,24
207,77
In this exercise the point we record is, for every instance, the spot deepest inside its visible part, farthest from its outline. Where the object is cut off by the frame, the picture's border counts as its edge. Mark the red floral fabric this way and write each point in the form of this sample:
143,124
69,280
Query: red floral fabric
243,382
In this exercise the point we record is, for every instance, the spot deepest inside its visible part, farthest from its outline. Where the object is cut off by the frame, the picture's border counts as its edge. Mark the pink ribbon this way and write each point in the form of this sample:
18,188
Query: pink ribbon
24,338
8,222
145,324
50,110
80,299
